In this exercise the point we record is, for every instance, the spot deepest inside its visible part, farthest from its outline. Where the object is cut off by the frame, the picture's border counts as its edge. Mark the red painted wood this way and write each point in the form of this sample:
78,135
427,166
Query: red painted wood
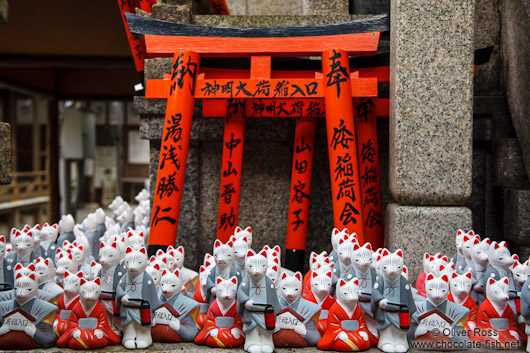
357,44
368,154
137,45
304,146
215,108
342,143
233,141
174,150
262,88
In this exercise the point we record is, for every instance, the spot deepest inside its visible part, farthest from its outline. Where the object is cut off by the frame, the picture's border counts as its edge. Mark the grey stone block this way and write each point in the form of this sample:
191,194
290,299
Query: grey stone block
517,216
431,75
237,7
515,49
5,153
509,170
370,6
417,230
269,21
173,13
323,7
284,7
488,77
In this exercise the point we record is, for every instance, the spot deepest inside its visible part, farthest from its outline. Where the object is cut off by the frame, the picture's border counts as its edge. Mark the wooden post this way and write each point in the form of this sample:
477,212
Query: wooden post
174,151
234,136
219,7
304,147
137,45
342,144
368,149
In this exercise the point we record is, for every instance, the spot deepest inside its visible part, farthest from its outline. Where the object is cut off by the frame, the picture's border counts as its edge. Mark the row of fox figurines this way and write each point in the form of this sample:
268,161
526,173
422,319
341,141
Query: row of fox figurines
352,299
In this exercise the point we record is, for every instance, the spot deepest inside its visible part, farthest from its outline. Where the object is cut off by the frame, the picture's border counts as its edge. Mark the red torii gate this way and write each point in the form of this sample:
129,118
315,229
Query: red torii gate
260,91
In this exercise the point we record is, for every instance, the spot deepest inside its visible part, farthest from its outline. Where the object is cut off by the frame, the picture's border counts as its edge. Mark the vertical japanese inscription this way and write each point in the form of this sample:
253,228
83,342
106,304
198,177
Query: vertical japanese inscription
300,183
372,209
233,142
174,150
342,143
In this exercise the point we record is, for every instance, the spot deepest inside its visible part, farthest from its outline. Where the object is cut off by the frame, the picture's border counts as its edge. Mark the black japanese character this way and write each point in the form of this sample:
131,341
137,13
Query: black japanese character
173,129
338,73
364,109
343,167
229,189
299,194
303,146
233,143
297,222
170,155
157,219
341,136
373,219
348,214
230,170
166,187
227,220
368,152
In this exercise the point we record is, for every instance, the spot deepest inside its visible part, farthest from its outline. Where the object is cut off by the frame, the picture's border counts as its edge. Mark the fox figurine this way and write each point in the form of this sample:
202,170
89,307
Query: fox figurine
87,326
296,322
26,320
223,326
136,294
174,319
346,330
255,297
392,296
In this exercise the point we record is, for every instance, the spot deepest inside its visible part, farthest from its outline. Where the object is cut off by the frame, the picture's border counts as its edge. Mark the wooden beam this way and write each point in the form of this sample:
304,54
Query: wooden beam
361,44
262,88
282,108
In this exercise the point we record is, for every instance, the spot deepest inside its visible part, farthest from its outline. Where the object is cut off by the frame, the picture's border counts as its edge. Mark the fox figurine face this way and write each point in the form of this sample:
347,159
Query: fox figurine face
241,247
256,265
223,254
135,262
109,255
499,256
244,233
26,287
497,292
155,273
391,265
170,283
479,253
291,287
347,293
89,292
520,272
23,242
437,288
321,282
44,270
72,282
66,262
461,286
362,257
226,291
49,233
134,239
